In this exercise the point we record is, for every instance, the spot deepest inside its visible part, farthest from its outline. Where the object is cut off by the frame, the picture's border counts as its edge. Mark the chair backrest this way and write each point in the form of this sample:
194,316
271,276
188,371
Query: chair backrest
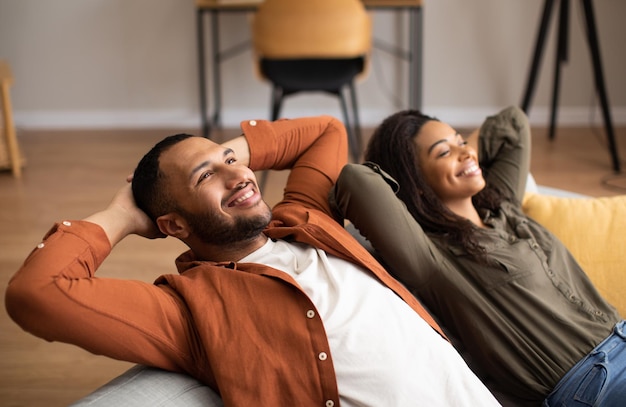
298,29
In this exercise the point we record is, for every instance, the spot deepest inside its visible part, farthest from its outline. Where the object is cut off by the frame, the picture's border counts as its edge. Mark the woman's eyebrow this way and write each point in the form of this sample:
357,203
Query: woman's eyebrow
436,143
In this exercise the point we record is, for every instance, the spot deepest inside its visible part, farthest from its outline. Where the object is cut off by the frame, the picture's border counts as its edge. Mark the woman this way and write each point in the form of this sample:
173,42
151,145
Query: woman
505,287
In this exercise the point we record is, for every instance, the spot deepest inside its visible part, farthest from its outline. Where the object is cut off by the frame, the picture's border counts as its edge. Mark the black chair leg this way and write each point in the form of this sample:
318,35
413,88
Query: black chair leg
349,129
358,139
277,102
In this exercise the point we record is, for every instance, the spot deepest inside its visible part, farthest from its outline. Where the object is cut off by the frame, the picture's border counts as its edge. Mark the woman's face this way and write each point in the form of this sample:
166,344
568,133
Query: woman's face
449,165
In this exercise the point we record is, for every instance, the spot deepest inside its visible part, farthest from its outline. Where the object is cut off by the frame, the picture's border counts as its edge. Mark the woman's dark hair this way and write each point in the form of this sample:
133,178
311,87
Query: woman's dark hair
393,148
148,190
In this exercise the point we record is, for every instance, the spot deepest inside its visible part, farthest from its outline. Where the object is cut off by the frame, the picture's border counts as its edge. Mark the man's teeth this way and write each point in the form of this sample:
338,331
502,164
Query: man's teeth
244,197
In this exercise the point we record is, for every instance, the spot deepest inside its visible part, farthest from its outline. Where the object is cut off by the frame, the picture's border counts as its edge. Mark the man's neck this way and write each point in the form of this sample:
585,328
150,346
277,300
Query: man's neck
230,252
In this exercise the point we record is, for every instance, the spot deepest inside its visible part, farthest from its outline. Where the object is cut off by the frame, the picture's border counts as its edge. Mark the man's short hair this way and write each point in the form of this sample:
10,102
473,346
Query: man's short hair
149,191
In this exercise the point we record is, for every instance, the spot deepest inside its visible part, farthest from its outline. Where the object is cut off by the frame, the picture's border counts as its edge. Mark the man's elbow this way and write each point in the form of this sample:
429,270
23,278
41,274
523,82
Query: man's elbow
25,306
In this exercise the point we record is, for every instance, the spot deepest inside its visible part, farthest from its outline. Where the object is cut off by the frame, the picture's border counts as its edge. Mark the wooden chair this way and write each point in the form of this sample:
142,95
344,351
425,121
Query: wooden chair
10,140
313,46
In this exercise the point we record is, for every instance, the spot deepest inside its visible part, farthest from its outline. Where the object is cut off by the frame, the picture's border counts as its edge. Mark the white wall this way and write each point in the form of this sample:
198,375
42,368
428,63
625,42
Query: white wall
130,63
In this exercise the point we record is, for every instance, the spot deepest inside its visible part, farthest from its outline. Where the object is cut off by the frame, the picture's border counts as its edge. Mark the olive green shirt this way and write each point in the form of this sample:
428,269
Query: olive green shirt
525,318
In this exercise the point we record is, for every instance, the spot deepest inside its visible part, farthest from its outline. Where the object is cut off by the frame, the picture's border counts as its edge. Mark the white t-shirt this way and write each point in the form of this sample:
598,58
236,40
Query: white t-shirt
384,353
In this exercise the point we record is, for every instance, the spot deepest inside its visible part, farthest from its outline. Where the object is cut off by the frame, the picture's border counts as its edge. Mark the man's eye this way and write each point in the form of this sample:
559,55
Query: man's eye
204,176
463,143
231,161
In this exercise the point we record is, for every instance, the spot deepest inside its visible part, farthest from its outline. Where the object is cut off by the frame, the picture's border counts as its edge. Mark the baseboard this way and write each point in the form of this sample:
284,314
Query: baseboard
456,116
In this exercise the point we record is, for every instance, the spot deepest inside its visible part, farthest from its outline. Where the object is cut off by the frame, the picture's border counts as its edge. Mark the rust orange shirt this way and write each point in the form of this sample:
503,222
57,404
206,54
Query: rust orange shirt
245,329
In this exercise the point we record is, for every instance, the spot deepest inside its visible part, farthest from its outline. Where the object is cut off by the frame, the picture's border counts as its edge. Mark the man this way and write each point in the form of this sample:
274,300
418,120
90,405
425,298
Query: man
277,307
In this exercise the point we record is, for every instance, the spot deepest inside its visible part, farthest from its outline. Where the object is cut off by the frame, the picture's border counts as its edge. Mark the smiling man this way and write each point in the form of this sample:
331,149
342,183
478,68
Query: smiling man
277,307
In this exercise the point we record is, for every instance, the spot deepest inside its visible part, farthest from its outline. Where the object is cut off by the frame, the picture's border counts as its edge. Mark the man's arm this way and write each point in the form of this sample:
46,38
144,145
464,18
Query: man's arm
241,148
122,218
56,295
314,149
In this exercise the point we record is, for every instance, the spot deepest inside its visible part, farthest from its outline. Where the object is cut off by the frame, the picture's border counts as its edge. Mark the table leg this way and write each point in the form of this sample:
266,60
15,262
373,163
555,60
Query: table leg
206,129
416,38
216,64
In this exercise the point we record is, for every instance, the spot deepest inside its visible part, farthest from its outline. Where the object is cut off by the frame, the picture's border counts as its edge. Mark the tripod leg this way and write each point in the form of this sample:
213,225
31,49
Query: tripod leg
541,39
561,56
594,48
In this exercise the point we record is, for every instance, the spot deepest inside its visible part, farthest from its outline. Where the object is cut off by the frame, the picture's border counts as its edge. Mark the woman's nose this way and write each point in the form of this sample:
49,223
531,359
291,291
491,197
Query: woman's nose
464,152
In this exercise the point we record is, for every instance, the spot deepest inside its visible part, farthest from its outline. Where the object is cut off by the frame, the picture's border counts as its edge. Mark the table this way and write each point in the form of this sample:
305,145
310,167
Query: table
214,7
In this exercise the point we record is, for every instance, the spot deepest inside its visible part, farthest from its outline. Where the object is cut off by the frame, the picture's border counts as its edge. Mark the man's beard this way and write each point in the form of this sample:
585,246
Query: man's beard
218,230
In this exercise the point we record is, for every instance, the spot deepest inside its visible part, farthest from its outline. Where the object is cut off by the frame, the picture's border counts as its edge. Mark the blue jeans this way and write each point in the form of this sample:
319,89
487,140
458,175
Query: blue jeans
599,379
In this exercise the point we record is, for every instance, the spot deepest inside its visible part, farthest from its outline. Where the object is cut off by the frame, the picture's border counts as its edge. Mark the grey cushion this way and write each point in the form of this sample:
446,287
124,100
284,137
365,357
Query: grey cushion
143,386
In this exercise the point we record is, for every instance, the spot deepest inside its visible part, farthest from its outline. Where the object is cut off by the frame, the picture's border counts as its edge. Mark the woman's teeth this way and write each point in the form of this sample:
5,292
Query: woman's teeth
470,170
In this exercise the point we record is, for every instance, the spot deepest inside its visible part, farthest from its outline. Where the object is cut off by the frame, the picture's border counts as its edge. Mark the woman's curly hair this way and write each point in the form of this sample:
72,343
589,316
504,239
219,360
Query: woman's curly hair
393,148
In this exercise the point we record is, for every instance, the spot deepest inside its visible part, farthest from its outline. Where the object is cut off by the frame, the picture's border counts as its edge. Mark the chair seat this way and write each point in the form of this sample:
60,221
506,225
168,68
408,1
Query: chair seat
310,74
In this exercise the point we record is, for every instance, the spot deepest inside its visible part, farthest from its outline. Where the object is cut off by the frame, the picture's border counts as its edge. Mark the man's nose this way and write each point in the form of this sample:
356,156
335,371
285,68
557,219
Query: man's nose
236,175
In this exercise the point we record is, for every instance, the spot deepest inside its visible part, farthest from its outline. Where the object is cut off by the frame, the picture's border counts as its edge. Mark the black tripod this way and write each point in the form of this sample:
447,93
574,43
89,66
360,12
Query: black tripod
561,56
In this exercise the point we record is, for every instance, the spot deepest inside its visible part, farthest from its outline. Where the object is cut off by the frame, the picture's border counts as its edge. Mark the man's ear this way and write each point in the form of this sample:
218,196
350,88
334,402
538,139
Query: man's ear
172,224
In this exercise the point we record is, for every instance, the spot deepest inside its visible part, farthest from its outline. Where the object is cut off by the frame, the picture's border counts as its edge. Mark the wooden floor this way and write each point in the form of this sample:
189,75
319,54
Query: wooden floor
69,175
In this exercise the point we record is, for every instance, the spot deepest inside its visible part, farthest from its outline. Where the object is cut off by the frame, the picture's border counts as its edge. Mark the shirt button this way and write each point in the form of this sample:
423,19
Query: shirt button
40,246
330,403
310,314
322,356
252,122
67,223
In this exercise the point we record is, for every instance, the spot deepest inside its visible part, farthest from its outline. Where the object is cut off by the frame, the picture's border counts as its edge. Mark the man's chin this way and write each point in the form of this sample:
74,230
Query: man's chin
239,229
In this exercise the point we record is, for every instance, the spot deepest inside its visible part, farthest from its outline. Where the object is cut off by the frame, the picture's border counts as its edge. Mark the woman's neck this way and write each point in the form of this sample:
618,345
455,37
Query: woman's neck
466,209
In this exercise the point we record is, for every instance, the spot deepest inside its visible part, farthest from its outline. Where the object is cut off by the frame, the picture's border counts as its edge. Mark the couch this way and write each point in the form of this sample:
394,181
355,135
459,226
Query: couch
594,229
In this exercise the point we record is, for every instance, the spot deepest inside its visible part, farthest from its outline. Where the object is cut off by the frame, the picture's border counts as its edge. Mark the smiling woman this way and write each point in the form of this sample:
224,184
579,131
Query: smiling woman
509,290
450,168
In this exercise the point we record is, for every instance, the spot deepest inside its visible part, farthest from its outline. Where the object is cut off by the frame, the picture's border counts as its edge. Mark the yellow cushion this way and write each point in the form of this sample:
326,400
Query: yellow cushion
594,230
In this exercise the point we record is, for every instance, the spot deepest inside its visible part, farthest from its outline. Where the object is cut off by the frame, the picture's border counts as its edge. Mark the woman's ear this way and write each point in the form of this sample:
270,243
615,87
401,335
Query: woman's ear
172,224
